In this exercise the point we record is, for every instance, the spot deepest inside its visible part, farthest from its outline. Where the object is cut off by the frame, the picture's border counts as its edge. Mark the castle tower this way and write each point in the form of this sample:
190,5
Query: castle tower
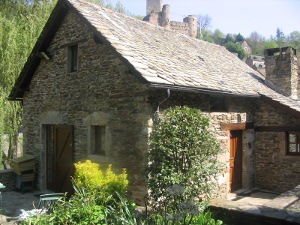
153,6
192,23
165,16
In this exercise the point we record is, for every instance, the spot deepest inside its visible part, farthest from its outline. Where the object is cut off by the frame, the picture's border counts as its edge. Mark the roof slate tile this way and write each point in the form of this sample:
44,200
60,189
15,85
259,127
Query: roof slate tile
164,57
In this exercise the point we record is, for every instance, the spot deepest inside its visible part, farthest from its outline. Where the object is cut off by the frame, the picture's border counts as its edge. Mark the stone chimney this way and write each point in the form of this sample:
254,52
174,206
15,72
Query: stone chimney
282,71
153,6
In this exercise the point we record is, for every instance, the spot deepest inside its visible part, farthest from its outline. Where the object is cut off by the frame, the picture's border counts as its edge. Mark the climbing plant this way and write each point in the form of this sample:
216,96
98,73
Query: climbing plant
182,152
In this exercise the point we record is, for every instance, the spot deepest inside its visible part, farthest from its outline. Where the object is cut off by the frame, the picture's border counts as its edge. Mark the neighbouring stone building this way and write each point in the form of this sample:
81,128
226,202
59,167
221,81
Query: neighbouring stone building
159,15
244,44
96,78
257,63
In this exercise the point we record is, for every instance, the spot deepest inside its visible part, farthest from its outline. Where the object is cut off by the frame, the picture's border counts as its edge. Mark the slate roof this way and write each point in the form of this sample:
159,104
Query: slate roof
166,59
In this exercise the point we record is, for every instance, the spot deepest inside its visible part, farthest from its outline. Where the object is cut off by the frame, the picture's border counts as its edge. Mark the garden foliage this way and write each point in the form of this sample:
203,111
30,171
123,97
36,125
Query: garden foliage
183,152
89,206
89,175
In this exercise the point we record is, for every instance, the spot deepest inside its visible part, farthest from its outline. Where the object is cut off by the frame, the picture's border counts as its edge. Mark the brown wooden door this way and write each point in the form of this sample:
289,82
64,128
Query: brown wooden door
235,160
59,160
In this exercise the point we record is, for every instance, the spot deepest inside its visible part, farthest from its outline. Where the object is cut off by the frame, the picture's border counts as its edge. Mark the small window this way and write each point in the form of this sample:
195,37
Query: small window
218,104
293,143
98,140
73,58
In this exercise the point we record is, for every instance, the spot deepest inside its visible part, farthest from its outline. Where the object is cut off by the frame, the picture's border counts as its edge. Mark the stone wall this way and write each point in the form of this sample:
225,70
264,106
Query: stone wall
179,27
103,90
274,169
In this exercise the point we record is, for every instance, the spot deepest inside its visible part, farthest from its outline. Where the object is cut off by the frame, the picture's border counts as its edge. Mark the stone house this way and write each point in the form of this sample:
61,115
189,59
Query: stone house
244,44
95,79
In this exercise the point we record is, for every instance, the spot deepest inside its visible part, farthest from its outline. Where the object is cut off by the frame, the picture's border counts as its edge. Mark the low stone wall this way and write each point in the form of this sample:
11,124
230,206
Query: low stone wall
8,178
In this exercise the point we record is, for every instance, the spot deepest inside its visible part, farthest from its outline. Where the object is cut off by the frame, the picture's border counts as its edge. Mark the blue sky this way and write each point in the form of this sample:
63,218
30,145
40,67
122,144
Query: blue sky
233,16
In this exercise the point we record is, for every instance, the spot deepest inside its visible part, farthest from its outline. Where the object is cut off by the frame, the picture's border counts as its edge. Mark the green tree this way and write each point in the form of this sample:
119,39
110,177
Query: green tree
208,36
236,48
107,4
120,8
270,44
98,2
20,25
203,23
229,38
219,37
182,152
256,42
239,38
294,39
280,38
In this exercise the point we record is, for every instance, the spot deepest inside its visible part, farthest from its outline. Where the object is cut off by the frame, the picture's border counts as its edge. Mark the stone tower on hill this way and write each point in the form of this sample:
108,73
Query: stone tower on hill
159,14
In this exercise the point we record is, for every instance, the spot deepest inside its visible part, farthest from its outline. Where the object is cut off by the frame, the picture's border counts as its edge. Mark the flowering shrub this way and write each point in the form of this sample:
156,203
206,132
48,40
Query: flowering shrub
90,176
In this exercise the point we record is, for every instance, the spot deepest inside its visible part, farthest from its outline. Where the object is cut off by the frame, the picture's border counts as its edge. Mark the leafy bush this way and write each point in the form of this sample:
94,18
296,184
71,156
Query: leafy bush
90,176
81,209
236,48
206,218
87,174
182,152
123,212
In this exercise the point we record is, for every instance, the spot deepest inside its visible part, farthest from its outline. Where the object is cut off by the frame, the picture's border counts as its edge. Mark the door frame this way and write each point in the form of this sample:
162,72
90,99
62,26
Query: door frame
236,164
54,186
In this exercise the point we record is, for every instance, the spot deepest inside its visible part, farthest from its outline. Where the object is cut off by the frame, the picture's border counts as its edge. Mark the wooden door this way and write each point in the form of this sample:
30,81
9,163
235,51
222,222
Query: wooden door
235,160
59,158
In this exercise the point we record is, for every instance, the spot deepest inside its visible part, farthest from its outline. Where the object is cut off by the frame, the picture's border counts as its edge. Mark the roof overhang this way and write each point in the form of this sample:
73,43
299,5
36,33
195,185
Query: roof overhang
280,106
200,90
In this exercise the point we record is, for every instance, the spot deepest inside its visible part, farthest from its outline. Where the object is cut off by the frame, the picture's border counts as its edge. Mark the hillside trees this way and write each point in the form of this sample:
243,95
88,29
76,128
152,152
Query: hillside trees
203,23
256,42
107,4
20,25
235,47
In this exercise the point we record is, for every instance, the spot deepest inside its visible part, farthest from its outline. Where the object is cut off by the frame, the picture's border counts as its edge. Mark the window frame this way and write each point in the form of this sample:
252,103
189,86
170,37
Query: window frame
94,142
72,61
297,143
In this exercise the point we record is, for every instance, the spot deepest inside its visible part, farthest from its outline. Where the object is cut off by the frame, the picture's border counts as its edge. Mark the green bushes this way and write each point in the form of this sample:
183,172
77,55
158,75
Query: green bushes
89,175
99,196
183,152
